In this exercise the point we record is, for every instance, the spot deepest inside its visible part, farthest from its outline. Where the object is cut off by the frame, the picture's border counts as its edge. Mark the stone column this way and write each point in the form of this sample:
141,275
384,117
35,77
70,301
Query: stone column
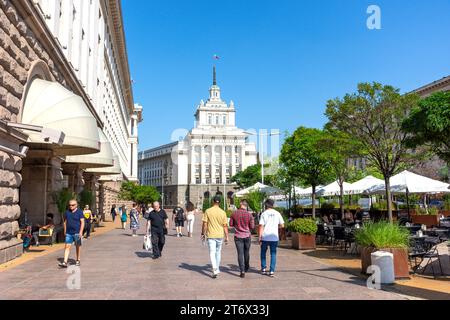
202,164
192,163
233,160
224,165
213,164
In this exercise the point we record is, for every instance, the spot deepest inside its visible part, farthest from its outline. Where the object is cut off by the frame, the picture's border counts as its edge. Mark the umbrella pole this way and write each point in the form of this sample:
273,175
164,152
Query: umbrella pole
407,203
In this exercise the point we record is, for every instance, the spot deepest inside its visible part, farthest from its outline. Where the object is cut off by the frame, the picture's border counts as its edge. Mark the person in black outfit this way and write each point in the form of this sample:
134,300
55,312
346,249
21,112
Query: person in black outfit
178,217
158,223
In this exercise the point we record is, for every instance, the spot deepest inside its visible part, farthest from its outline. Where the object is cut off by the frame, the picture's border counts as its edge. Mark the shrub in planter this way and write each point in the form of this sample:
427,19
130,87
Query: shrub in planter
384,236
303,233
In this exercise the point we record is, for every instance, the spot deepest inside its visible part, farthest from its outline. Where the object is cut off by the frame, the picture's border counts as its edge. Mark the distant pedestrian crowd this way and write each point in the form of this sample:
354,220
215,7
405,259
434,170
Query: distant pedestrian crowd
214,231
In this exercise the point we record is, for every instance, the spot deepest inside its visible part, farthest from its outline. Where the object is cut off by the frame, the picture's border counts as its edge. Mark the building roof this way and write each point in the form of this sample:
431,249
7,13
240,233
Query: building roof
438,85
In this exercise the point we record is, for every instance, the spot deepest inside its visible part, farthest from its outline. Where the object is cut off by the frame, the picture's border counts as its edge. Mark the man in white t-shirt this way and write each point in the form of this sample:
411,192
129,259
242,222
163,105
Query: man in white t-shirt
269,223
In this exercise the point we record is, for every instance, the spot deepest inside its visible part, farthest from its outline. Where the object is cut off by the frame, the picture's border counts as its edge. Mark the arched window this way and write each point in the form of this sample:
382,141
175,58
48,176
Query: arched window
209,119
217,119
224,119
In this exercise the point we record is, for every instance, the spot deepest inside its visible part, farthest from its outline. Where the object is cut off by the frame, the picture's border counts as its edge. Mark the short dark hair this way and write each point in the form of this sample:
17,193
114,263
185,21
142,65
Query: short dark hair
269,203
217,199
50,215
244,202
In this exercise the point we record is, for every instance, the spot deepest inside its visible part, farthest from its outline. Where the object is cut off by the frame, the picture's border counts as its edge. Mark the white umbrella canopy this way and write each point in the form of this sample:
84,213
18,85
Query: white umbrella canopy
407,181
360,186
333,189
307,192
259,187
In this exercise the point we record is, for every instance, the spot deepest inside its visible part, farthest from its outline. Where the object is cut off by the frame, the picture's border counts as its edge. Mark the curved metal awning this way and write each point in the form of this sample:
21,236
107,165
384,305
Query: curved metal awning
101,159
49,104
112,170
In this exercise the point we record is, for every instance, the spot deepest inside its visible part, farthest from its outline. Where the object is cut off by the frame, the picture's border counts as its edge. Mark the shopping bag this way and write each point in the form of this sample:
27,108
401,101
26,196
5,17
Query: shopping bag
147,243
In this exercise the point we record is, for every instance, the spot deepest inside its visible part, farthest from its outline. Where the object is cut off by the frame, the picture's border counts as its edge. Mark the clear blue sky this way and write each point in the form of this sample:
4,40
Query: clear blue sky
280,60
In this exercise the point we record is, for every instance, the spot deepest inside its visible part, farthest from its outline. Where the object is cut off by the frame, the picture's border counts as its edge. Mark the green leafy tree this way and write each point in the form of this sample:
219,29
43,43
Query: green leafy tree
146,194
255,200
374,115
62,198
130,191
429,125
248,177
85,198
304,159
339,147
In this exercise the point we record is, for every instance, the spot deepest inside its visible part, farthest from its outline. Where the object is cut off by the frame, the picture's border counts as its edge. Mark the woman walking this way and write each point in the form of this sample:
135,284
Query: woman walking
113,212
123,217
190,217
134,220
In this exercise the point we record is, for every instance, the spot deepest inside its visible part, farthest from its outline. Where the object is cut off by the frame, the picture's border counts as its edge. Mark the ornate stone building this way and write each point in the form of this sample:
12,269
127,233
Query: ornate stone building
202,164
67,114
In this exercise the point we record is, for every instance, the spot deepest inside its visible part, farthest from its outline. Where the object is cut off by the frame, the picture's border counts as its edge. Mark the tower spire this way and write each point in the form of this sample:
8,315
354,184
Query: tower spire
214,76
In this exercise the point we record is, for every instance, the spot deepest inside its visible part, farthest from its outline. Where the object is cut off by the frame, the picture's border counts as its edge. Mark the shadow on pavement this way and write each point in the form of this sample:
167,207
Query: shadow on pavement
143,255
207,271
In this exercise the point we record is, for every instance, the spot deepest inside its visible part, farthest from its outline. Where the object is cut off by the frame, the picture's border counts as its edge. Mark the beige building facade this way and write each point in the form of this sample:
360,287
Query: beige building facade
67,114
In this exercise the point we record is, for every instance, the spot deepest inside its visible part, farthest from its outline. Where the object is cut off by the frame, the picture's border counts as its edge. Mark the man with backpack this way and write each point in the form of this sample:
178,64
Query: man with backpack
158,223
178,217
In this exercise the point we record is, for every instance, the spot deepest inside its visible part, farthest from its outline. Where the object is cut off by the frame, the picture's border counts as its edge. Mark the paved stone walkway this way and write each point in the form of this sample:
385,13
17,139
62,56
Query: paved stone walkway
114,266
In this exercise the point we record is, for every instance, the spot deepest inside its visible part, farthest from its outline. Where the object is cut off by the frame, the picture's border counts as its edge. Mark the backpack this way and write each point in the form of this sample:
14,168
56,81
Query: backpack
179,213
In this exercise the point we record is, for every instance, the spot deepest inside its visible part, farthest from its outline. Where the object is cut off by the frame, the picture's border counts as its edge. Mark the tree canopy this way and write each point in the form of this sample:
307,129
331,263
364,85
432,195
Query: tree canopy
429,124
374,115
131,191
304,158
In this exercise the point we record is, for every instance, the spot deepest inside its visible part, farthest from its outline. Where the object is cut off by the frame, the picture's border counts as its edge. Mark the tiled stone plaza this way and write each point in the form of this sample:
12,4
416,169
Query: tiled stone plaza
114,266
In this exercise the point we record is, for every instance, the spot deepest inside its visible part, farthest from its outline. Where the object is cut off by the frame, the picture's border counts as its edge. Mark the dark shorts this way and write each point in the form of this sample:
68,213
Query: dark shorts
179,223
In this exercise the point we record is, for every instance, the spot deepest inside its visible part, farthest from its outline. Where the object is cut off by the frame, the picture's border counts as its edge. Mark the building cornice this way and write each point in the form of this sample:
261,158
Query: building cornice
113,11
30,13
434,86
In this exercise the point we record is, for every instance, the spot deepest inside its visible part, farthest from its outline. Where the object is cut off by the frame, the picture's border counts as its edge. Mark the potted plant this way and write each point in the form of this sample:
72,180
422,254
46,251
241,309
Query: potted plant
303,233
428,217
384,236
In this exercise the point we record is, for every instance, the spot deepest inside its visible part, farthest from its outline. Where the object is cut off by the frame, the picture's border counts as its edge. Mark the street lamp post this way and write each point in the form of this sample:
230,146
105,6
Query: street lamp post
261,145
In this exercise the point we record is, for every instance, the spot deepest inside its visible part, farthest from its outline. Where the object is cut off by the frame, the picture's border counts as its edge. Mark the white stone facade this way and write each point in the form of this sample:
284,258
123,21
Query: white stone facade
80,45
210,154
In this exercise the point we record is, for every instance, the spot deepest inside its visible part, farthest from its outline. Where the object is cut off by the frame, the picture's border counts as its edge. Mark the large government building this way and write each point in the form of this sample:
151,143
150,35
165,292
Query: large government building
68,120
200,165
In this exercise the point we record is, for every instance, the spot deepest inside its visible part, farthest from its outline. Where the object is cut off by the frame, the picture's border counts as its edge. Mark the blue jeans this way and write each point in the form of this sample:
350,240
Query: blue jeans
273,254
215,252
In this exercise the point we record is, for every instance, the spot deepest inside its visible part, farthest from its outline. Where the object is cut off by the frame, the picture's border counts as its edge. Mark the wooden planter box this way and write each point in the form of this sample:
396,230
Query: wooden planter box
446,213
283,236
303,241
428,220
401,266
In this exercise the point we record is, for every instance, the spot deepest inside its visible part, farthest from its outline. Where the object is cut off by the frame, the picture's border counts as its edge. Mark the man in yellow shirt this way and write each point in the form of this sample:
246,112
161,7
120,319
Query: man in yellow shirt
215,229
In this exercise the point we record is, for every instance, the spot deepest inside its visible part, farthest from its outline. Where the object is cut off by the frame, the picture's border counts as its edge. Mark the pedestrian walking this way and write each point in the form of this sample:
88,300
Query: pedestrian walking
178,218
190,218
269,224
113,212
73,230
87,213
243,222
123,217
157,224
134,220
215,229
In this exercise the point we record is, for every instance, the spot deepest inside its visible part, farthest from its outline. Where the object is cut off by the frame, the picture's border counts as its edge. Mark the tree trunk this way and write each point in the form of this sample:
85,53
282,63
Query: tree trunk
341,200
388,198
314,202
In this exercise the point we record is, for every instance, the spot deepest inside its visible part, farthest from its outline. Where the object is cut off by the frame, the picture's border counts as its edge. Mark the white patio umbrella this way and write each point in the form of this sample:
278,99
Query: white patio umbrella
333,189
307,192
408,182
259,187
360,186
